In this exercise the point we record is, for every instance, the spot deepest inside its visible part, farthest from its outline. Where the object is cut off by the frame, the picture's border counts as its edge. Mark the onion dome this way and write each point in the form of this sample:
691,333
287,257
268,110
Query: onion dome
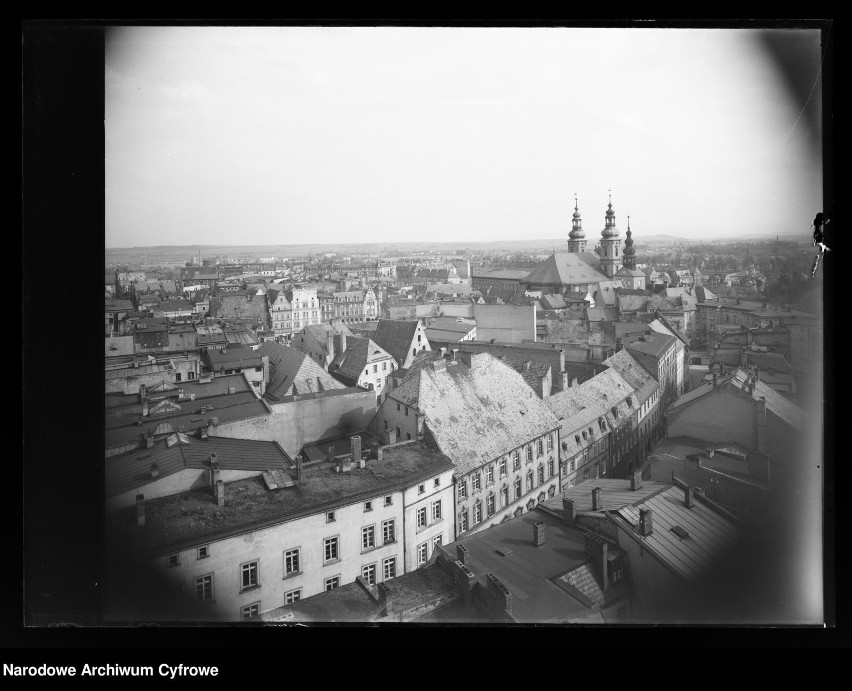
628,243
610,231
577,232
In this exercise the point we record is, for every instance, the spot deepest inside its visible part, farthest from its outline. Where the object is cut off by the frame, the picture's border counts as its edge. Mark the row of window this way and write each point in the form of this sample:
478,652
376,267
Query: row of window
384,368
436,514
491,501
331,516
475,478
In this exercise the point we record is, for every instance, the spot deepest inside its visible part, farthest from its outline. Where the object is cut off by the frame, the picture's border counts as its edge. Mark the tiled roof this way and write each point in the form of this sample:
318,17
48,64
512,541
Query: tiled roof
475,414
567,268
130,470
597,314
293,371
605,294
359,353
636,376
786,410
509,274
233,358
767,361
615,494
566,330
553,302
585,581
655,344
395,336
710,532
172,305
532,372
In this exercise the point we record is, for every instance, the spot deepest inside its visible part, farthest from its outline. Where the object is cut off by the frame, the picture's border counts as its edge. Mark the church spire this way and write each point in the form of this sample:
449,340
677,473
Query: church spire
610,242
577,237
629,250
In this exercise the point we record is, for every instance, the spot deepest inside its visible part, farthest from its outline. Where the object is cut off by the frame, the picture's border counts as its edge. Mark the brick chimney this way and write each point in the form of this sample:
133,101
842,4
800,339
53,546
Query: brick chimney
538,533
689,496
340,343
330,453
636,479
155,470
597,549
143,394
214,470
140,510
646,522
355,443
329,345
715,379
298,472
220,493
463,554
499,593
597,503
569,510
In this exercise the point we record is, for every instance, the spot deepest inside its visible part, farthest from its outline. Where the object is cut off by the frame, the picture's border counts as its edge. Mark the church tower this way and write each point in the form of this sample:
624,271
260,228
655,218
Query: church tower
576,238
629,252
610,243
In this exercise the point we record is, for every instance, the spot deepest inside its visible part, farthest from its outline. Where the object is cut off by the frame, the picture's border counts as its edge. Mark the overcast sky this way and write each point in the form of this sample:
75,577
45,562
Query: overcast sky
225,135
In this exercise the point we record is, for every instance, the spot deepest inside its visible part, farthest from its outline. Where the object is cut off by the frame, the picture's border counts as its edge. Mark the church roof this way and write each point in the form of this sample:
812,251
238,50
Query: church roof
567,268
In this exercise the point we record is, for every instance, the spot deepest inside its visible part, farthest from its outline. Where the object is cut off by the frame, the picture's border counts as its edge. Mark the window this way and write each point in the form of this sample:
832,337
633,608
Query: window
368,506
516,460
437,541
550,442
388,500
585,436
389,567
436,511
462,489
421,517
250,611
174,560
540,447
204,588
368,537
529,481
602,424
421,553
529,453
540,474
490,504
614,412
291,562
474,481
437,482
292,596
504,497
397,406
502,467
375,368
368,573
329,517
462,521
406,411
332,583
248,575
518,490
204,551
421,489
477,513
384,366
577,438
550,468
388,534
489,475
332,552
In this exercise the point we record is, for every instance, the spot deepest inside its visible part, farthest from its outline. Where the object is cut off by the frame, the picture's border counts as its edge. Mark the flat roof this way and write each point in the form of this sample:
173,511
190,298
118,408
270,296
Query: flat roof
184,520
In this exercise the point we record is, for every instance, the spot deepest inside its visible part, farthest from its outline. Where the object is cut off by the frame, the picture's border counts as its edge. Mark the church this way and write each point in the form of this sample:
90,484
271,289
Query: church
581,271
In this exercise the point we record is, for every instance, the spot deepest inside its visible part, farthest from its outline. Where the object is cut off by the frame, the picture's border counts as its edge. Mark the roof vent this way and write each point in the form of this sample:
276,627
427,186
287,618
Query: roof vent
680,532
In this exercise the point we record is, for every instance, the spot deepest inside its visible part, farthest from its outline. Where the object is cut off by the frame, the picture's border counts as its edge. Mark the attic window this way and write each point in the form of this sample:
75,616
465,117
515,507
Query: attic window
614,412
577,438
680,532
585,436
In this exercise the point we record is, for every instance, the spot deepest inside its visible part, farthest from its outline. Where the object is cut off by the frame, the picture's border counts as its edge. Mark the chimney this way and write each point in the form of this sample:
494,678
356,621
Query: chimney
463,554
149,441
330,453
499,592
340,343
715,379
710,452
443,352
454,351
383,590
597,549
356,448
646,522
376,449
538,533
689,496
155,470
329,345
569,510
438,365
298,473
143,394
636,479
140,510
597,504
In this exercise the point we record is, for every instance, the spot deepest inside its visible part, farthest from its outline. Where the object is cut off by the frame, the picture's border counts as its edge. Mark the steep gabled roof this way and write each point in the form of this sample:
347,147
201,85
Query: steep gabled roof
359,353
475,414
293,372
395,336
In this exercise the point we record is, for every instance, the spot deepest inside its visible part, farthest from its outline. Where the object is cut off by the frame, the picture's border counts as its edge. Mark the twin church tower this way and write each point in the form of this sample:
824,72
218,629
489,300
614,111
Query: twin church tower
610,261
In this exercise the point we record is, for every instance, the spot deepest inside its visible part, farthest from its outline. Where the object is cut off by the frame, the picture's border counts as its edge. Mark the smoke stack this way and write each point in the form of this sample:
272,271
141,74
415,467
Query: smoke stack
569,510
646,522
597,504
636,479
140,510
538,533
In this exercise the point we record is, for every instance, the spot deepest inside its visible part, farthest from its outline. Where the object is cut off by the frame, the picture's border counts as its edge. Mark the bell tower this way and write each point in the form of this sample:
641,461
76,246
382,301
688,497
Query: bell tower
611,260
576,238
629,251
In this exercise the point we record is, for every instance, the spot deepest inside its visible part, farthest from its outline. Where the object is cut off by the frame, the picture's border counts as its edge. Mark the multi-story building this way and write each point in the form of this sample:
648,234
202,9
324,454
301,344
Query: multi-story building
657,353
371,305
482,414
349,306
240,548
293,310
402,338
363,363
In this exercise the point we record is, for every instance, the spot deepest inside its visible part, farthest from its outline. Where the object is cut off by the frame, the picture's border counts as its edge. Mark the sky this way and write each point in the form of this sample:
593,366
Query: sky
286,135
